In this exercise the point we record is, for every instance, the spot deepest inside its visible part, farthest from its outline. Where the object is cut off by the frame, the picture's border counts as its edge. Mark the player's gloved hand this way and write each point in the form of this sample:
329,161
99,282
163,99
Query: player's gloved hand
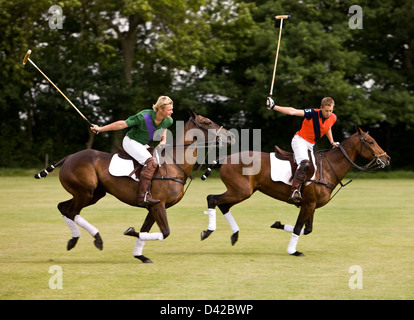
270,103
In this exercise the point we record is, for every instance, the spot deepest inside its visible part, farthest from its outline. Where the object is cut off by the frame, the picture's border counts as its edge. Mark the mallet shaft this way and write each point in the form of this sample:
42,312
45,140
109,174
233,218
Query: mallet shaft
26,58
277,55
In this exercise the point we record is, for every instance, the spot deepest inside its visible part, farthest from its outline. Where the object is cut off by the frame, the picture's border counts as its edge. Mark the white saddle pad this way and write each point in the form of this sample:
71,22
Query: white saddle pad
281,171
121,167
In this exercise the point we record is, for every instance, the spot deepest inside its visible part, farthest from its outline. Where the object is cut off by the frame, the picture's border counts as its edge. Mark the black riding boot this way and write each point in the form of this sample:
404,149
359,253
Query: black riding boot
298,179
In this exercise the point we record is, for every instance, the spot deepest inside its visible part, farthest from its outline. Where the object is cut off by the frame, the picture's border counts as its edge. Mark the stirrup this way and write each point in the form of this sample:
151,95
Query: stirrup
295,198
147,200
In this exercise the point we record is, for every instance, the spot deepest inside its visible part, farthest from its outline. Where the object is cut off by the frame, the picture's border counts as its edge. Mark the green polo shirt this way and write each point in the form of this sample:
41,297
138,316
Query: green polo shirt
137,128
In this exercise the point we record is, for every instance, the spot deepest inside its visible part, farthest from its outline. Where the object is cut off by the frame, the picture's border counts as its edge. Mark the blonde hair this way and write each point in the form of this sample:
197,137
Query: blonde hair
162,102
327,101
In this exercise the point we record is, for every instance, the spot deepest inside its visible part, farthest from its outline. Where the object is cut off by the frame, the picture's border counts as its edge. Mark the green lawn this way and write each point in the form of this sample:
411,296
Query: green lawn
370,224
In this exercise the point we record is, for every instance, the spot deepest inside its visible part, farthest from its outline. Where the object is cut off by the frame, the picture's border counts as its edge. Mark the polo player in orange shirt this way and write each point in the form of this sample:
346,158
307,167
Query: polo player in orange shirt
316,124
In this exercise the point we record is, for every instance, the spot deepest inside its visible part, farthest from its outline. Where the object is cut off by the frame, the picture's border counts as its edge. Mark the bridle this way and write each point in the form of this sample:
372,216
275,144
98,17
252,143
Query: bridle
218,138
217,142
375,164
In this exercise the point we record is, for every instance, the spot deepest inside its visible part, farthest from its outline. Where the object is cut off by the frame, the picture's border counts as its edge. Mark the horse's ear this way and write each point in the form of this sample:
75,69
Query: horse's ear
358,129
192,113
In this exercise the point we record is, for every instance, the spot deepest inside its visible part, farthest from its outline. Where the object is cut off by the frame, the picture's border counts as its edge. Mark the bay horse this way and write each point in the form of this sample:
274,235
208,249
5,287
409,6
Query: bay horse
332,167
85,175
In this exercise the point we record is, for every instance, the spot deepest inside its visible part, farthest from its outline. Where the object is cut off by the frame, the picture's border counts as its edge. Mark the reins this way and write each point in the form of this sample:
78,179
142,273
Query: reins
374,164
195,145
342,185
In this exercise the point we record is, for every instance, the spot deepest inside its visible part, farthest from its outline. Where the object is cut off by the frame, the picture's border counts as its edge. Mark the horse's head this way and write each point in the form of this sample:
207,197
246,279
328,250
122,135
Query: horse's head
371,150
211,129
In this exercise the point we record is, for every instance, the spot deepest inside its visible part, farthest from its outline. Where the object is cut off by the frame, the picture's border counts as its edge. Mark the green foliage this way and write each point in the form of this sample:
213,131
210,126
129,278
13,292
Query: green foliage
114,58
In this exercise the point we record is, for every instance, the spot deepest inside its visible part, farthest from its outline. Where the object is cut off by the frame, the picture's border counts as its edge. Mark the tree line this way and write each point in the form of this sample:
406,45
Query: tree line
113,58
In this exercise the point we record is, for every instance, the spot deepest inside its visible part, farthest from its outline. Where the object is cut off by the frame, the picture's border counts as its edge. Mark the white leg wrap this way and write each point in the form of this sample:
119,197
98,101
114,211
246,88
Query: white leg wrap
81,222
72,226
233,225
151,236
289,228
139,245
211,219
292,244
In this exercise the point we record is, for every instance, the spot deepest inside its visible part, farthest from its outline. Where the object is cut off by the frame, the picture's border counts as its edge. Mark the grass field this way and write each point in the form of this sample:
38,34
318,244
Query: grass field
370,224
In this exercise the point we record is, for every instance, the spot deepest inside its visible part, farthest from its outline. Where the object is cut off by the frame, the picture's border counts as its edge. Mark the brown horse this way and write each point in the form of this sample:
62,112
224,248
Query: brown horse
332,167
85,175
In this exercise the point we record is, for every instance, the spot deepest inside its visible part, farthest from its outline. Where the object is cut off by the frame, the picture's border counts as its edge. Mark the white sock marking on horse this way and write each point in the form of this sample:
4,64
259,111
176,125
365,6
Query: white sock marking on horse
139,245
151,236
72,226
233,225
293,243
289,228
211,219
81,222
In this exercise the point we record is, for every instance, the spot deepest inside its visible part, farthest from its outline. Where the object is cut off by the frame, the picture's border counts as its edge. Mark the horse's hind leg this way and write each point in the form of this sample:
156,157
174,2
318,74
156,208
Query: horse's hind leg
74,230
70,210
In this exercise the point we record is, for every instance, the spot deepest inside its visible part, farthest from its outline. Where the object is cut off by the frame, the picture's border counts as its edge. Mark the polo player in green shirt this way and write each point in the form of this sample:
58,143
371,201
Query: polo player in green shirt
141,129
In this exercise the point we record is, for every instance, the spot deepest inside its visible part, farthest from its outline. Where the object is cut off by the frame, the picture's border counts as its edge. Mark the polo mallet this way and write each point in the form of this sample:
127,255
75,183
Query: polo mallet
27,58
281,18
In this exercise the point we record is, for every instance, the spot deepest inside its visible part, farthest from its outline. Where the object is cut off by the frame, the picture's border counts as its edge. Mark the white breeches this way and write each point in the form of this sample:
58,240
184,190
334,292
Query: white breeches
136,150
300,149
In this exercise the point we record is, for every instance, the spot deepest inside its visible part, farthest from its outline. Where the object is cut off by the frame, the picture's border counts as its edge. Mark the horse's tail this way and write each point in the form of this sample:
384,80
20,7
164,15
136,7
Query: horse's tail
49,169
210,167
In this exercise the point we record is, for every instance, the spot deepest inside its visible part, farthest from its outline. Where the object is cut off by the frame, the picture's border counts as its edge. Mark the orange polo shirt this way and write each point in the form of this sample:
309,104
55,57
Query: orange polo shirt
314,126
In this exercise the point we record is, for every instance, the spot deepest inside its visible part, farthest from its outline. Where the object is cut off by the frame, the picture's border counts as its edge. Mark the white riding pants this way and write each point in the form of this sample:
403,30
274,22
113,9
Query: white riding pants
300,149
136,150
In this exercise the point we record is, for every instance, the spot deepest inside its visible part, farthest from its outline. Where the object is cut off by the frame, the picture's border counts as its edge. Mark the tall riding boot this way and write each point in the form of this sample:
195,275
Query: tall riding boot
298,179
147,173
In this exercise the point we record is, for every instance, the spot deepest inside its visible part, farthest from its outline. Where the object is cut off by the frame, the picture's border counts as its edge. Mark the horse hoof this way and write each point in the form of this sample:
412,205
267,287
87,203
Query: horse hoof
205,234
277,225
234,237
131,232
144,259
298,254
72,243
98,241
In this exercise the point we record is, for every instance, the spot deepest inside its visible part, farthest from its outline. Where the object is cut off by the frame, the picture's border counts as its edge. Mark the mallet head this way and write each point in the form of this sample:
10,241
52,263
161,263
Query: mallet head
285,16
26,57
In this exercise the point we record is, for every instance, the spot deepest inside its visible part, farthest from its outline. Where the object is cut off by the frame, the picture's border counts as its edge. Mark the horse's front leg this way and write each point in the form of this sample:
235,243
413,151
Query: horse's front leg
211,212
306,212
156,213
224,201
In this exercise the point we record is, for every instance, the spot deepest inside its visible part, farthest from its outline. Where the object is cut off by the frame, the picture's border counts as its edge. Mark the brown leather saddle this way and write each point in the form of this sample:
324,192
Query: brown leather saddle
288,156
137,166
